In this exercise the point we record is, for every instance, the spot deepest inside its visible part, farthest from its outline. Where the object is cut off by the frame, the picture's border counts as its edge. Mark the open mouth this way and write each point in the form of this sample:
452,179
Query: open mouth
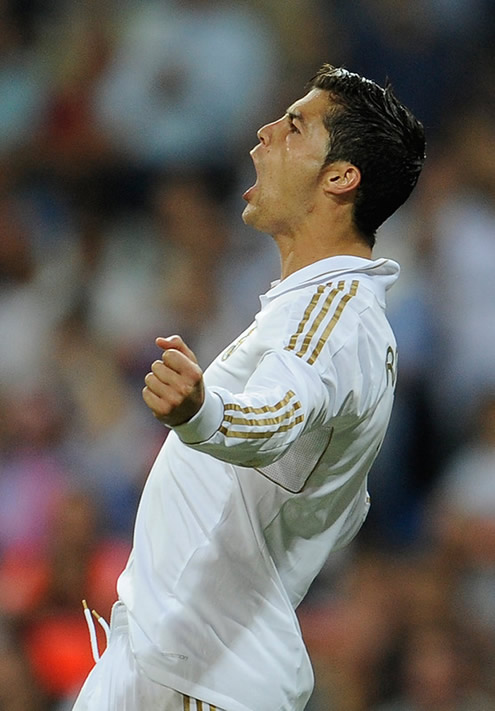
250,191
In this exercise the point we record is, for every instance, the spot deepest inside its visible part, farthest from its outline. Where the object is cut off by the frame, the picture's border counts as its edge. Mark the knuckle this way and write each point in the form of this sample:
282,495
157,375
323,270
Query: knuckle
160,410
197,374
175,399
185,391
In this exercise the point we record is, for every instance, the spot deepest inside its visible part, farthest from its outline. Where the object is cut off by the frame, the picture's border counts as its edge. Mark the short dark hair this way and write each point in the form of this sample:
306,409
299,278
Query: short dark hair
369,127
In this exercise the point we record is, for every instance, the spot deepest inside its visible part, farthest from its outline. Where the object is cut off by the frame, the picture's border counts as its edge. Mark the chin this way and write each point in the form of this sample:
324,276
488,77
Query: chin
249,215
253,216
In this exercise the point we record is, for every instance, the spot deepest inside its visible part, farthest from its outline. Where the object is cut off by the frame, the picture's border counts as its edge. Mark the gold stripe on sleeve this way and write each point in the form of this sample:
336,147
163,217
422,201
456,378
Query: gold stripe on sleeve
187,703
199,705
231,421
265,421
260,410
333,322
261,435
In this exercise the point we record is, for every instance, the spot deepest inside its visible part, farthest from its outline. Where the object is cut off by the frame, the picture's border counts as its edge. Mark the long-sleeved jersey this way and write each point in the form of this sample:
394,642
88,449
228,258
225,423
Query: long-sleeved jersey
246,500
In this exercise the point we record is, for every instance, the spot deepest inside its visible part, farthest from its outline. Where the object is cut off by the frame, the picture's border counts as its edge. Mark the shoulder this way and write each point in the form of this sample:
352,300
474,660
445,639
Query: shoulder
317,321
324,316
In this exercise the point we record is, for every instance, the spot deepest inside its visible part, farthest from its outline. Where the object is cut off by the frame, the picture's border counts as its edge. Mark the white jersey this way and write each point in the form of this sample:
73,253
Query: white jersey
246,500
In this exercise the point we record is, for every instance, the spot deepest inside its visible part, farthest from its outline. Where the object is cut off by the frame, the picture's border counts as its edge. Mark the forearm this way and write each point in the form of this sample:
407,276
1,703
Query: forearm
248,429
283,398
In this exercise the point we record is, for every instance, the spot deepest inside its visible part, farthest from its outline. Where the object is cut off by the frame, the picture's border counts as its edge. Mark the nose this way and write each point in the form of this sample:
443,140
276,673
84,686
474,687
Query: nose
262,134
265,133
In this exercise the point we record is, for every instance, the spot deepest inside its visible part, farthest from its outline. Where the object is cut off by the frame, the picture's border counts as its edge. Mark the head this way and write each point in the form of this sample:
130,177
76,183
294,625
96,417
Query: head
348,144
369,127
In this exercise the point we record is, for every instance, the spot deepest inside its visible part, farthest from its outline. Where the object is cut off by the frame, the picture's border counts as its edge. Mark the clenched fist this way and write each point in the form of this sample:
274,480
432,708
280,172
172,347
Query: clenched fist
174,389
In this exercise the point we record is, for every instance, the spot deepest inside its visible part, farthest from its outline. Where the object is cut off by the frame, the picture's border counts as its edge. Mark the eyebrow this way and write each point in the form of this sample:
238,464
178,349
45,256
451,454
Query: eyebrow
295,114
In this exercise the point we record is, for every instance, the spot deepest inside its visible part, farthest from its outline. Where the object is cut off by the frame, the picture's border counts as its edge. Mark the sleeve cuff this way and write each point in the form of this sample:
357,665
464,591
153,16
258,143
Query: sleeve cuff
205,422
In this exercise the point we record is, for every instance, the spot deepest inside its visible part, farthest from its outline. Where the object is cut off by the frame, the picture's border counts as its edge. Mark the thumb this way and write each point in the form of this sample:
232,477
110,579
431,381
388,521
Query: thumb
177,344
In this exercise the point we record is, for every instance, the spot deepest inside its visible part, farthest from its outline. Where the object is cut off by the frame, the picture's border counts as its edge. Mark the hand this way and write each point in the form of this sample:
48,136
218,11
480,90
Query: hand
174,389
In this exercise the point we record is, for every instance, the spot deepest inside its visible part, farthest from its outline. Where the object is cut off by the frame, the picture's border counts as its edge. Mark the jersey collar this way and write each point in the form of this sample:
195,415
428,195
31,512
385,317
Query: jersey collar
332,267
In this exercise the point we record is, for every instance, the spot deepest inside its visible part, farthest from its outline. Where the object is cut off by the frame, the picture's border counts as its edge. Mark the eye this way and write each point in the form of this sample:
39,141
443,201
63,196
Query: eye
292,126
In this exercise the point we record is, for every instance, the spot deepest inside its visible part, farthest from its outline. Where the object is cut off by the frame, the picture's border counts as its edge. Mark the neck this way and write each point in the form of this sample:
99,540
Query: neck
298,251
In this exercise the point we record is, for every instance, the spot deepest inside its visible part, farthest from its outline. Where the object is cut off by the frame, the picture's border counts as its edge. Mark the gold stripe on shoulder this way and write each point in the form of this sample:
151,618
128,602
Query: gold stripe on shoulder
333,321
318,319
306,316
307,313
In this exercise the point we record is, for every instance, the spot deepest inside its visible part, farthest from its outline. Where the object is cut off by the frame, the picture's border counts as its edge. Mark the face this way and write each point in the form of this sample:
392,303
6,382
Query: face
288,161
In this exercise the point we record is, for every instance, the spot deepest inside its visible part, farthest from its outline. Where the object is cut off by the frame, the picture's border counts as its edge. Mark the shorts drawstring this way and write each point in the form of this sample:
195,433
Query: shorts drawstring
92,629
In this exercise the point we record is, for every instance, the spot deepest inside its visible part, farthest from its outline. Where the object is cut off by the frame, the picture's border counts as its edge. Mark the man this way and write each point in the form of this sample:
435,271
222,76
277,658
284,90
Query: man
265,470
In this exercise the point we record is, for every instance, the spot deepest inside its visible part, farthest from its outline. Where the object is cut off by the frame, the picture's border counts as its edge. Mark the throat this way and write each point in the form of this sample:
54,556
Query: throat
296,254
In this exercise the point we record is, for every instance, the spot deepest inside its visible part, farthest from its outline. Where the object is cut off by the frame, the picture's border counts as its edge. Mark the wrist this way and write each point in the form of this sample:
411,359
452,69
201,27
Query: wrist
205,422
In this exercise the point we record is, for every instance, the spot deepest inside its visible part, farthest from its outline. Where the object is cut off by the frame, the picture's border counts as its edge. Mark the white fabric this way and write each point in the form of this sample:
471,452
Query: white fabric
247,499
116,683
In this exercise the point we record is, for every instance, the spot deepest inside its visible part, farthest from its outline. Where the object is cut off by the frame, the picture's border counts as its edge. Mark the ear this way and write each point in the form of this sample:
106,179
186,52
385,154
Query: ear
340,178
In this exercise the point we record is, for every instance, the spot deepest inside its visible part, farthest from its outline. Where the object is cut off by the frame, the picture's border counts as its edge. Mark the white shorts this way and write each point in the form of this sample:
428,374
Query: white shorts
116,683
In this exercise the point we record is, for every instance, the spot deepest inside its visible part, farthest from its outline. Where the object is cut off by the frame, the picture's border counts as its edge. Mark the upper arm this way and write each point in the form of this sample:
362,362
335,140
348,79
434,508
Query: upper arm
283,398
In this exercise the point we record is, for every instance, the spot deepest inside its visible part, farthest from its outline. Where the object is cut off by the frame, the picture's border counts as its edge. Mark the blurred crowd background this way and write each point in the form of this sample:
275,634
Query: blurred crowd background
125,127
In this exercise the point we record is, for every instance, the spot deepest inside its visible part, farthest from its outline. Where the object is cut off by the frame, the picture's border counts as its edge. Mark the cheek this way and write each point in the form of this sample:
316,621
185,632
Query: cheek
300,180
